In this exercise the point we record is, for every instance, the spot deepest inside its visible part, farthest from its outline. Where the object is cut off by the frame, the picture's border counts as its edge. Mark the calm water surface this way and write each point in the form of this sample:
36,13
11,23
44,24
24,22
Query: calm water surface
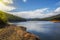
44,29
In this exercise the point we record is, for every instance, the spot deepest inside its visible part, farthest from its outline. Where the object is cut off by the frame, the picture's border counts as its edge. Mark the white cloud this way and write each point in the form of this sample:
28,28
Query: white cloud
7,1
57,10
38,13
24,0
4,5
31,14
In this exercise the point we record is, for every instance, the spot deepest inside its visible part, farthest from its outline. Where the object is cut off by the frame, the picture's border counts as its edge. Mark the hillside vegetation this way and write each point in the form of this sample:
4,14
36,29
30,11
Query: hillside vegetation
3,19
56,17
11,18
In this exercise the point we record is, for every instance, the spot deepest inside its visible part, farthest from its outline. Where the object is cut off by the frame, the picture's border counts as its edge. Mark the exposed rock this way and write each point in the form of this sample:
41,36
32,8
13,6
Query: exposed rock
13,32
55,21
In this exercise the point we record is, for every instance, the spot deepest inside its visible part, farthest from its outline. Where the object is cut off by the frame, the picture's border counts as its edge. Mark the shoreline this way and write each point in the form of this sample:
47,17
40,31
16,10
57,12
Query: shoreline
14,32
55,21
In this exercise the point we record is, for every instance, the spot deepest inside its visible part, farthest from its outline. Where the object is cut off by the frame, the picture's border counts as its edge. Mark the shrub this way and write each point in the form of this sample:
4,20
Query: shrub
3,18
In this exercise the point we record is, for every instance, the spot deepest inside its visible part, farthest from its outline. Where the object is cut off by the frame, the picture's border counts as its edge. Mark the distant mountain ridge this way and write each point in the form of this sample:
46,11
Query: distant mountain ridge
56,17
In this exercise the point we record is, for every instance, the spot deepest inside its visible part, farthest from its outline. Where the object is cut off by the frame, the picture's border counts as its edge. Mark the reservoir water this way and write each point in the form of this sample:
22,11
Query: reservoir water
46,30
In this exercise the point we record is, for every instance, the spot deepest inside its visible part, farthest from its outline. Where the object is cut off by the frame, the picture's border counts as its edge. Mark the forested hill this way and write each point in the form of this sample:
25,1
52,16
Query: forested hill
56,17
12,18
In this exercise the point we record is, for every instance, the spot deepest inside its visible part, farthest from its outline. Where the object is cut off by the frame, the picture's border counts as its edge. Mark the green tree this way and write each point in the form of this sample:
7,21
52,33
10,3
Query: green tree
3,18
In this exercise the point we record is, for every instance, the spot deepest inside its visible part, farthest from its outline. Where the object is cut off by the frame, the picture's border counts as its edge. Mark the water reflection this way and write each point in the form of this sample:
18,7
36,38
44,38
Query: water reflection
44,29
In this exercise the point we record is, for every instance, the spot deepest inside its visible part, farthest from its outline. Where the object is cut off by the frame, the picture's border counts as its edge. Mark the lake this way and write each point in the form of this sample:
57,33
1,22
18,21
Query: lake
46,30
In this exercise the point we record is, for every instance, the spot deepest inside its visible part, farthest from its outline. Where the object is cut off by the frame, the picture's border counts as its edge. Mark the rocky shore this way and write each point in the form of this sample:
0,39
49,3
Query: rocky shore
13,32
55,21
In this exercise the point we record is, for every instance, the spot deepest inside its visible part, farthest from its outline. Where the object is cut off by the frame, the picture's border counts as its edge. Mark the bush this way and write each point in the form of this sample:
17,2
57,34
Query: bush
3,18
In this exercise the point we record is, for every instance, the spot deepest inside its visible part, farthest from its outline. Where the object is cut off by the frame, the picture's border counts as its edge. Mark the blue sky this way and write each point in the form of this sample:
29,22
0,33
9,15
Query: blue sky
35,4
31,8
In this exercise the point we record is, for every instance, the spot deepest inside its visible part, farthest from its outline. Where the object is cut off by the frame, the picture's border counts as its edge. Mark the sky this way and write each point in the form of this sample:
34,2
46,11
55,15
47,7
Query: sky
31,8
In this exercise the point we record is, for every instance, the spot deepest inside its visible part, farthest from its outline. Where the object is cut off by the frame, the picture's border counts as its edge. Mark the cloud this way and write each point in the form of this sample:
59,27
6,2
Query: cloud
31,14
38,13
7,1
5,5
57,10
24,0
